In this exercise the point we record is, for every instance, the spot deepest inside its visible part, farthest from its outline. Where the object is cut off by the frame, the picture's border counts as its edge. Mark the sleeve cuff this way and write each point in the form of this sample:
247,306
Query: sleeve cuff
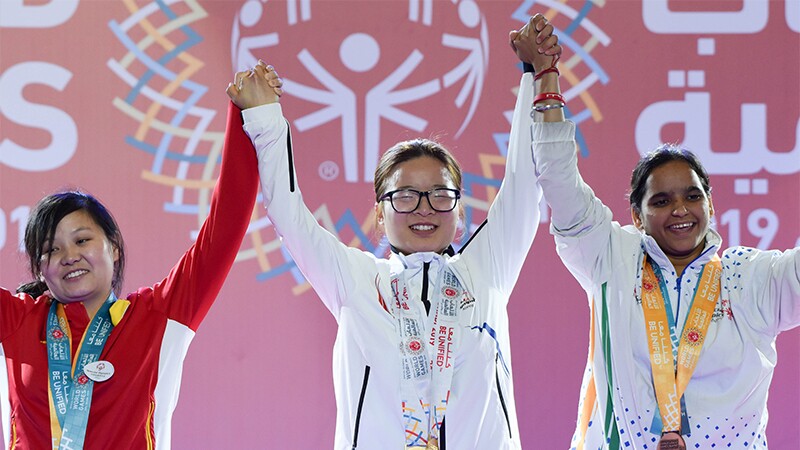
528,68
553,131
257,113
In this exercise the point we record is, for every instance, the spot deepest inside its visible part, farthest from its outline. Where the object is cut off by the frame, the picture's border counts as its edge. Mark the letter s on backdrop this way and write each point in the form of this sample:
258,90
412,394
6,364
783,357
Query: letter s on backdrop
58,123
15,14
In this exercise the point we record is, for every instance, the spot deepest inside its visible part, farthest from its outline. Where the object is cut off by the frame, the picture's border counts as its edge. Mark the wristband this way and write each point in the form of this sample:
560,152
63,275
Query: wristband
548,96
543,108
550,70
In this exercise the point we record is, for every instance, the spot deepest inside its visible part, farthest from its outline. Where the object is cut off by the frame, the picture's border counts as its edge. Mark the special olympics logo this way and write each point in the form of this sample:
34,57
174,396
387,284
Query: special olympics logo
328,170
359,80
369,78
693,336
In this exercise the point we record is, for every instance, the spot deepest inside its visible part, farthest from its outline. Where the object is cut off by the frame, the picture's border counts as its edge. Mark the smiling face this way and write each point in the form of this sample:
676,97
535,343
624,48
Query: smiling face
79,264
675,211
423,230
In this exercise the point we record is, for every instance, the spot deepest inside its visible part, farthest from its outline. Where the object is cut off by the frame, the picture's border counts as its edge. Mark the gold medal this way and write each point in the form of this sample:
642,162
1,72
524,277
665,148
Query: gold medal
433,444
671,440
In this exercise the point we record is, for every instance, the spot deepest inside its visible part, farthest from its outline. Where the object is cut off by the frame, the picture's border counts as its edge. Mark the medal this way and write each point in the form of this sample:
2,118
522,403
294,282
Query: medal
427,348
671,440
672,359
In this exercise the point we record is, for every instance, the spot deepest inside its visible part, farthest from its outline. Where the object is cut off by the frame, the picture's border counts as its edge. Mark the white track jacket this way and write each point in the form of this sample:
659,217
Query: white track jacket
726,398
354,286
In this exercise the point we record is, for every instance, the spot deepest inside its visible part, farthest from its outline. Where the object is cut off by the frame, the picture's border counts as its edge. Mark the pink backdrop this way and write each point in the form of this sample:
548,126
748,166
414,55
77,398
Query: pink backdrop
126,99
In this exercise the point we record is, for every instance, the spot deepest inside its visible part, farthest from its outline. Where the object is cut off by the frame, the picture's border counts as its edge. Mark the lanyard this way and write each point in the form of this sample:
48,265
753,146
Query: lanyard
672,368
427,364
69,389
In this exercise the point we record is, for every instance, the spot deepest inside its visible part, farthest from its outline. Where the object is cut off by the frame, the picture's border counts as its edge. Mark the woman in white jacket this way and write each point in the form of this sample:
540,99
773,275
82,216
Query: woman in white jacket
422,356
682,344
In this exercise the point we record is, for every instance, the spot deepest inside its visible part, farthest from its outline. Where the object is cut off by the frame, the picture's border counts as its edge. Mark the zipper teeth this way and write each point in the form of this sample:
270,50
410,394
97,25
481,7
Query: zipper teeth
679,281
424,295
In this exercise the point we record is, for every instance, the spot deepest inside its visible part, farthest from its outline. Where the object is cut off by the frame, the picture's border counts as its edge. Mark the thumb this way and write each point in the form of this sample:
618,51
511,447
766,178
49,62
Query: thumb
232,90
512,35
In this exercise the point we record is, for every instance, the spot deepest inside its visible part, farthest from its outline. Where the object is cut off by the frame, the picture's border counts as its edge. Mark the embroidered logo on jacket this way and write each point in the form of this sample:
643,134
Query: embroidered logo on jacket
723,310
467,301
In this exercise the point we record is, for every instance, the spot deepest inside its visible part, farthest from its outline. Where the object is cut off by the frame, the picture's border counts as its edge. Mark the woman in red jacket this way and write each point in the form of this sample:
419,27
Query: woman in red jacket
85,368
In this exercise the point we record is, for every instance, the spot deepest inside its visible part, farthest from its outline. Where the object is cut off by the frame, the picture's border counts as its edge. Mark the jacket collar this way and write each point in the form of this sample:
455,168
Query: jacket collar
449,251
713,243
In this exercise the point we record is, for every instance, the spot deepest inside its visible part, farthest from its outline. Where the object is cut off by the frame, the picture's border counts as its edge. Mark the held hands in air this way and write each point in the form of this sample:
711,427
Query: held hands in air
536,44
258,86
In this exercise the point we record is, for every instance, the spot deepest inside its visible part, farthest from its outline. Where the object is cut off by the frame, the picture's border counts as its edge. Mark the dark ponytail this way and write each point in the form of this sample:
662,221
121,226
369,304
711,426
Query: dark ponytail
32,288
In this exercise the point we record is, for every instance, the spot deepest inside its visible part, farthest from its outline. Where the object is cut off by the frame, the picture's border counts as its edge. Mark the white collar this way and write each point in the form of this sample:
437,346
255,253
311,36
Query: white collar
713,243
413,264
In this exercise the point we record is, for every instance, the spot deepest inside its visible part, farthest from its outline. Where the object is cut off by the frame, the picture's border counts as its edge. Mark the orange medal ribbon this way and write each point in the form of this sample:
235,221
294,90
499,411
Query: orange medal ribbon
670,378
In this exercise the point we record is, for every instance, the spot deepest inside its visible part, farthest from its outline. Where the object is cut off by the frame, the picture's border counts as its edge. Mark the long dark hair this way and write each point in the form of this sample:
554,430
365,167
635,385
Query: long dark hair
41,229
657,158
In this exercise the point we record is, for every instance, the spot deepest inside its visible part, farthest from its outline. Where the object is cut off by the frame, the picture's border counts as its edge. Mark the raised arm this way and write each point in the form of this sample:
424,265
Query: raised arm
538,49
331,267
194,282
501,244
580,222
13,309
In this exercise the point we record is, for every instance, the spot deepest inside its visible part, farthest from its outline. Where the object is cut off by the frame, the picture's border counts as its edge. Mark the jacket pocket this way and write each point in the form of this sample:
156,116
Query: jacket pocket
13,433
500,394
360,406
149,426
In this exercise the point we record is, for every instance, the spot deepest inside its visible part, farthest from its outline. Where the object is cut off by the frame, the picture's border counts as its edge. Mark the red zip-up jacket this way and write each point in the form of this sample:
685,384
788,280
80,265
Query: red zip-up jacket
133,409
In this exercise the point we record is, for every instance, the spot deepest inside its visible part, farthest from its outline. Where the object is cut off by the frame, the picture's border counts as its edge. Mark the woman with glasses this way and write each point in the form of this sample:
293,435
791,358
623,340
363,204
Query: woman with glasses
422,356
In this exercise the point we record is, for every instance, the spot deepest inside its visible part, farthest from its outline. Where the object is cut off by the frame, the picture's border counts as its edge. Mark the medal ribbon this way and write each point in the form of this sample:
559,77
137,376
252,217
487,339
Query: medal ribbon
427,364
673,368
69,389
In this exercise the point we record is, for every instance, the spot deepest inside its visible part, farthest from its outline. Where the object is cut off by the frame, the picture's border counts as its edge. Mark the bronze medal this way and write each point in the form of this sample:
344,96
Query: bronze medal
433,444
671,440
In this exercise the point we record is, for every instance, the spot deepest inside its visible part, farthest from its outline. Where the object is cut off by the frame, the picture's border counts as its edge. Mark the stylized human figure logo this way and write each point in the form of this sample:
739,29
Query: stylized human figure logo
388,100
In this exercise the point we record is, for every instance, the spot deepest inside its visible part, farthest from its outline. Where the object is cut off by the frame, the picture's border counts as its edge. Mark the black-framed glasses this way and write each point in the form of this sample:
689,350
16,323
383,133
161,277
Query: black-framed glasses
408,200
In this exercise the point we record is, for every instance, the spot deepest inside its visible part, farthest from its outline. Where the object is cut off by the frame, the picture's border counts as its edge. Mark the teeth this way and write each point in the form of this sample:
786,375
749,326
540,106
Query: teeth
422,227
681,226
77,273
